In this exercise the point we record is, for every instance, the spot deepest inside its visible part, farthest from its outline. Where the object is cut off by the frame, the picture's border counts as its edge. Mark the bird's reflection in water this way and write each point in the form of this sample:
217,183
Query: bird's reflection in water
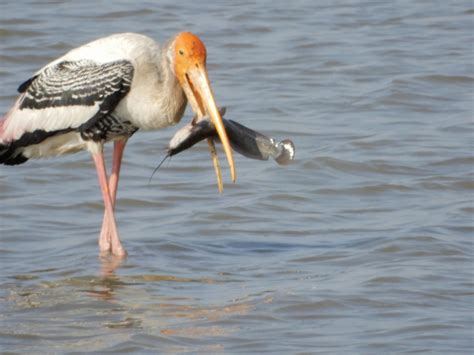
134,305
104,286
108,265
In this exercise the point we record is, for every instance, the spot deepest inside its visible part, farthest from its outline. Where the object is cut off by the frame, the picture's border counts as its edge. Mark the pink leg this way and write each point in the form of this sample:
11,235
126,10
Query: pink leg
119,147
105,240
115,245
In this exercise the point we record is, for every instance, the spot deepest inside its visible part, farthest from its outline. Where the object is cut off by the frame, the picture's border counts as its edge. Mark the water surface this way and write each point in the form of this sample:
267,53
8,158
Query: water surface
363,245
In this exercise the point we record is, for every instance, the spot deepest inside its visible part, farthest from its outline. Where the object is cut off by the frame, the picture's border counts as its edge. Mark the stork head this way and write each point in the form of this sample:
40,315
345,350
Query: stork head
189,54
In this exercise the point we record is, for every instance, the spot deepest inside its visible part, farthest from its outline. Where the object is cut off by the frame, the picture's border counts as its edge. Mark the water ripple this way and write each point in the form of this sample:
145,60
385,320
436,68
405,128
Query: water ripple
363,245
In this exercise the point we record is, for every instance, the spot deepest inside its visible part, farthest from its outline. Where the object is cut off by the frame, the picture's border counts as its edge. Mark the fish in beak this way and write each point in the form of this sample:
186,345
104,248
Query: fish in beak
191,72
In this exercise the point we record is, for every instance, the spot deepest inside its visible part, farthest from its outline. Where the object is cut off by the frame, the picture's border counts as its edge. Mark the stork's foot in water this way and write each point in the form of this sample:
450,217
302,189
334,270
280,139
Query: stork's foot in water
118,250
109,244
108,248
104,241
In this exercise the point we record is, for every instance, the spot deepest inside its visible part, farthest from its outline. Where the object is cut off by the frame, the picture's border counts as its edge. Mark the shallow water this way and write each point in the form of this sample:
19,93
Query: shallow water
363,245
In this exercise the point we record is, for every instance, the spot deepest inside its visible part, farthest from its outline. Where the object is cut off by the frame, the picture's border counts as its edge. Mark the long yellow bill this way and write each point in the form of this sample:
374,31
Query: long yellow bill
204,100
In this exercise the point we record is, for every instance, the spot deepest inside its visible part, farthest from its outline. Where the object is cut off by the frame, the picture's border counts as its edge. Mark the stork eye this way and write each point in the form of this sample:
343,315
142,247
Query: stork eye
181,52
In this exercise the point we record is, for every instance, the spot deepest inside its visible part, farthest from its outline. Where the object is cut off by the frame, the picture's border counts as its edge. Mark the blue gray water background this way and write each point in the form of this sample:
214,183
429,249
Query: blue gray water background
363,245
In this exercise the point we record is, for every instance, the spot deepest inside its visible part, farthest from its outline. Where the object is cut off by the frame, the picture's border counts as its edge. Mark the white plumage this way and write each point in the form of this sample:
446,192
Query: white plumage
147,106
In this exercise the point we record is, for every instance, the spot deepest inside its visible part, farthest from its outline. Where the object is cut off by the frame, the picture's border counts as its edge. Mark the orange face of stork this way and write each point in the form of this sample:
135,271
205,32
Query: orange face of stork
191,72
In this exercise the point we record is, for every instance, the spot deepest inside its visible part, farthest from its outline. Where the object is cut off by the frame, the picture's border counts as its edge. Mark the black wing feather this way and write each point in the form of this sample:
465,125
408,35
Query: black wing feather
83,83
22,88
72,83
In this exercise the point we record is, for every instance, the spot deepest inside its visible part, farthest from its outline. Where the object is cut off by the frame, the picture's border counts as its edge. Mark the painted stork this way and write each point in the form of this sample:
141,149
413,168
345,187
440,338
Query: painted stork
105,91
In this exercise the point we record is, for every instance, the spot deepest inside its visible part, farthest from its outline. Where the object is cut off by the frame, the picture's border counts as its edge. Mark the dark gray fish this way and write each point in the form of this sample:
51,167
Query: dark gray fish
243,140
189,135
